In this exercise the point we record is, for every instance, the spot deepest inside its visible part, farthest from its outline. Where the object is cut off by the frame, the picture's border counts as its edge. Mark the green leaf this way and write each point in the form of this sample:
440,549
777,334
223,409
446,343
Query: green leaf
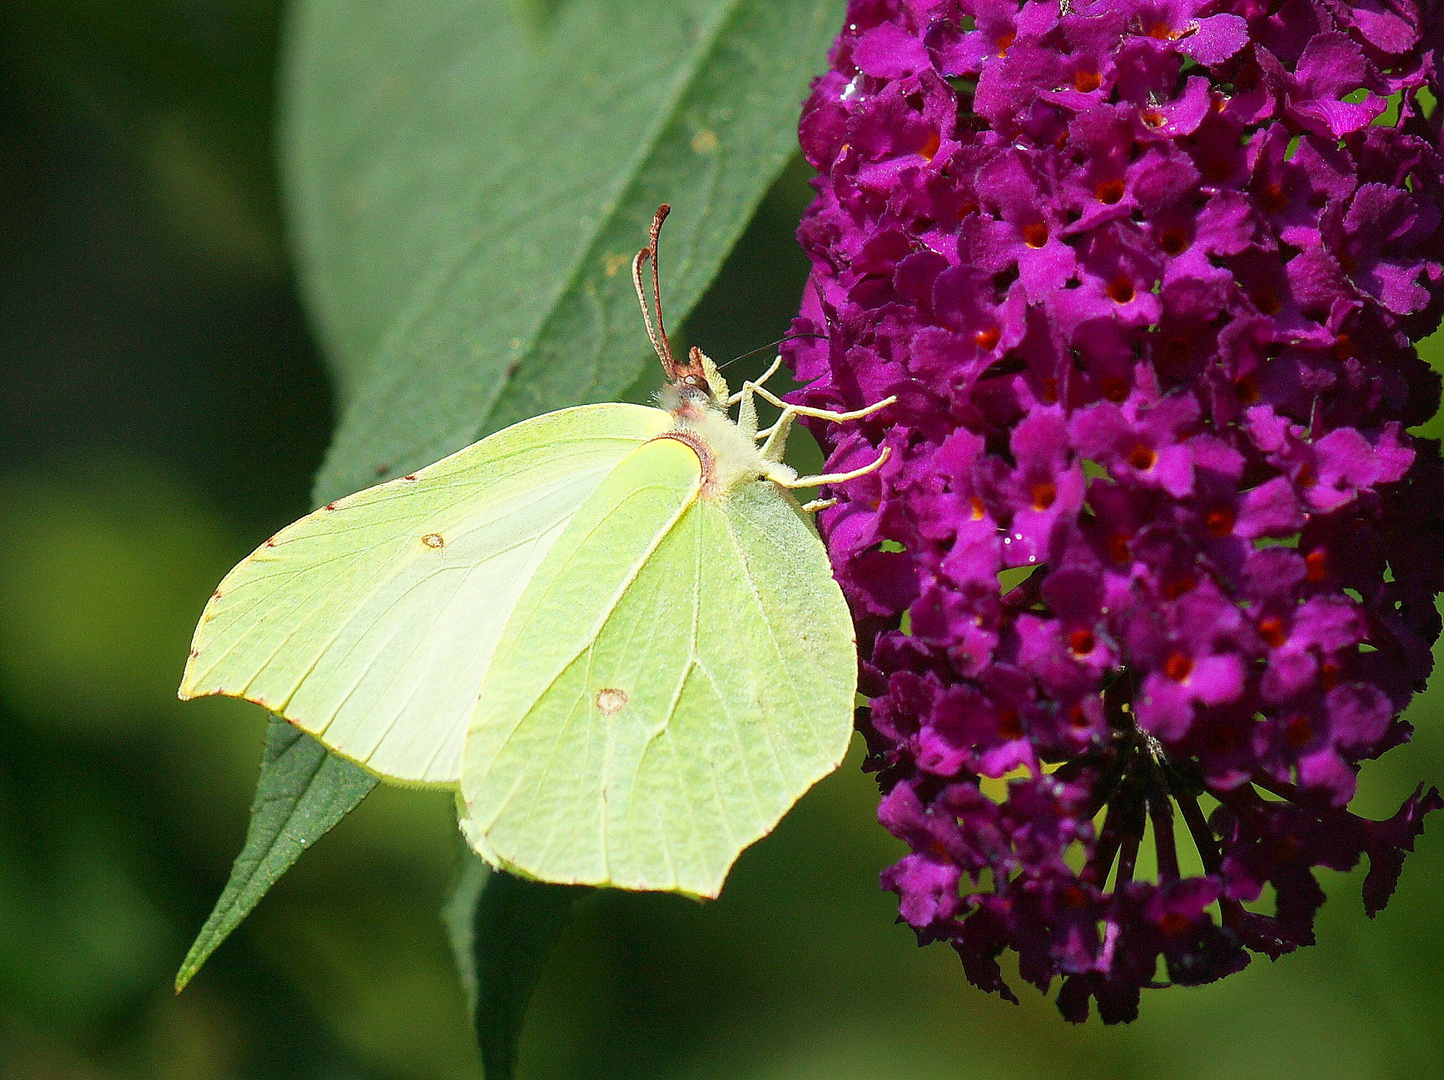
468,180
304,790
502,929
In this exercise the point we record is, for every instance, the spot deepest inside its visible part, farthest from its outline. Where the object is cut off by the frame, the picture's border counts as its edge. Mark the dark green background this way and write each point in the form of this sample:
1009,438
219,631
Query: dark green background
163,408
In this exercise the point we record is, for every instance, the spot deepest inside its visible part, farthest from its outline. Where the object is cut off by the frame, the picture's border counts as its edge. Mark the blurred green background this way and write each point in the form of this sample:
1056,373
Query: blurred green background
163,410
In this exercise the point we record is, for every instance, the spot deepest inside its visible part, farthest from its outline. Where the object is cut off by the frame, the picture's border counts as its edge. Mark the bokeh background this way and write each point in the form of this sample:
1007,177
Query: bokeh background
162,409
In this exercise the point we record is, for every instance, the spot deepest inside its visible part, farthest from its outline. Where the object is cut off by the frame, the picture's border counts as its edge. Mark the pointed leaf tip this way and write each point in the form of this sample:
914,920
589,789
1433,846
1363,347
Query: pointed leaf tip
303,792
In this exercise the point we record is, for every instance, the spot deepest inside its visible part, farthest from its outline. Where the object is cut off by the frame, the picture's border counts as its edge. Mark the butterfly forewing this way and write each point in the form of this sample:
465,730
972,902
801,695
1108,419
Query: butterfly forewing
371,623
677,674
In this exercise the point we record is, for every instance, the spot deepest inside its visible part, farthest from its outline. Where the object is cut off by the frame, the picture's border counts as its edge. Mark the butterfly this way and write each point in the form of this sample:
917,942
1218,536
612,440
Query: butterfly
612,628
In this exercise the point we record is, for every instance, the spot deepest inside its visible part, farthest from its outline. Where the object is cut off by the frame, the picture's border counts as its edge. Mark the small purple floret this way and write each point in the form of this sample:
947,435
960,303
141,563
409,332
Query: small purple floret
1151,568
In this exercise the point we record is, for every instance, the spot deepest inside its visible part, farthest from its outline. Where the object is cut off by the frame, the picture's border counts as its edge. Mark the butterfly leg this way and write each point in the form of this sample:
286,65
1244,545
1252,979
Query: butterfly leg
776,435
838,478
746,411
817,504
754,383
823,414
746,401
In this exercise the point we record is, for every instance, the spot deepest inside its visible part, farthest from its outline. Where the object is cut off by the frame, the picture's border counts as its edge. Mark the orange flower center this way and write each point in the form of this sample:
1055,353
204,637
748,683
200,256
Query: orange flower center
1109,191
1142,457
1220,521
1178,666
1271,629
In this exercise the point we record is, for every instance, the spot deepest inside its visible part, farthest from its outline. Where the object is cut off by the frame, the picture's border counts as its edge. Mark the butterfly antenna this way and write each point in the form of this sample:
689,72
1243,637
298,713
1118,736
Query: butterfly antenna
769,345
657,331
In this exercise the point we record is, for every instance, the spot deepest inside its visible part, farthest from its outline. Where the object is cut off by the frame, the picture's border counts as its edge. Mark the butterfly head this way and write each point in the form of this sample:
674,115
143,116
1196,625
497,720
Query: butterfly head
694,383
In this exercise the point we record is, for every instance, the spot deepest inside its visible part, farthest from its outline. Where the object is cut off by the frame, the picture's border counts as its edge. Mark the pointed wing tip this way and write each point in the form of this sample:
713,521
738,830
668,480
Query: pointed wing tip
191,687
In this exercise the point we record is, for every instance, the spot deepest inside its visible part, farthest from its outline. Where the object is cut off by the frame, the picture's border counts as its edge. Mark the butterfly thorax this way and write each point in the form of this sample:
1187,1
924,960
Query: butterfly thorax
729,456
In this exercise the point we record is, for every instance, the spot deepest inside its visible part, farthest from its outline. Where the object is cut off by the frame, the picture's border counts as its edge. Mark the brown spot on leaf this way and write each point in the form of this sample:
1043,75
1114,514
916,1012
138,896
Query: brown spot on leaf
434,540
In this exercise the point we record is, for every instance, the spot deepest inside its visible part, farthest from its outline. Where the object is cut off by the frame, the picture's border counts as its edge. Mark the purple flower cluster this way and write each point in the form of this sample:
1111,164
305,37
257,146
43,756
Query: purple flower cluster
1151,567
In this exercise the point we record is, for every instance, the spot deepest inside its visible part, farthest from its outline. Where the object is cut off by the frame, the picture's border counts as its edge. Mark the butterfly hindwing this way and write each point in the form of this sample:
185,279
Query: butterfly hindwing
677,674
370,623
